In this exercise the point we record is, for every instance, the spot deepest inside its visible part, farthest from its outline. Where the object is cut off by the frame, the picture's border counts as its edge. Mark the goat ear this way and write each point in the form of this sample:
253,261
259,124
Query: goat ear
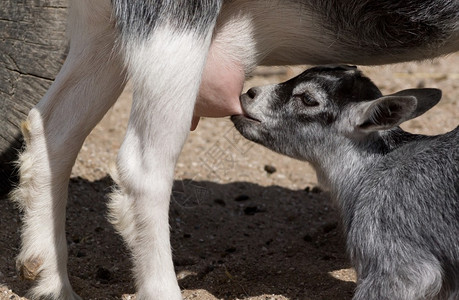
426,99
392,110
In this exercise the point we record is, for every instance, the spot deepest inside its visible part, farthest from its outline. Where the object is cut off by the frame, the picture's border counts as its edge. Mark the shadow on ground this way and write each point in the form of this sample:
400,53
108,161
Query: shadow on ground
233,240
8,174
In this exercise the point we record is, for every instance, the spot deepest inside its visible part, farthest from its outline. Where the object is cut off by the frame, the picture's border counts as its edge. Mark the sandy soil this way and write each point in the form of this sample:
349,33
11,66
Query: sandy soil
246,223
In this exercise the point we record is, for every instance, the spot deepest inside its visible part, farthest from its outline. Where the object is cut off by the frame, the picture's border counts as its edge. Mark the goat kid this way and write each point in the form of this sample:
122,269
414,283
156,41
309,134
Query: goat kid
186,59
398,192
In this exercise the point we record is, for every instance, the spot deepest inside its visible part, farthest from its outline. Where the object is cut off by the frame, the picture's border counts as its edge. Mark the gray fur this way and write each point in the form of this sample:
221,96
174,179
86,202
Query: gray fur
418,28
398,192
138,18
386,24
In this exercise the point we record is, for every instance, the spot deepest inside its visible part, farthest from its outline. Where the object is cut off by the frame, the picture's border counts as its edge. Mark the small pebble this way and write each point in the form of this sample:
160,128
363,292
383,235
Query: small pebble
316,190
328,257
241,198
230,250
103,274
220,202
307,238
81,253
251,210
270,169
329,227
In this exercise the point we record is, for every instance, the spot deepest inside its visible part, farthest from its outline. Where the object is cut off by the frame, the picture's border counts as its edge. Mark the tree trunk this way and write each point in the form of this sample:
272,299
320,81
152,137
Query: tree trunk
33,47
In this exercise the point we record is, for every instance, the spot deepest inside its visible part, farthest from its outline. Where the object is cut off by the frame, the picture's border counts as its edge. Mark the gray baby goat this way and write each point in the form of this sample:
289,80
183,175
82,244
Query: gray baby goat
398,192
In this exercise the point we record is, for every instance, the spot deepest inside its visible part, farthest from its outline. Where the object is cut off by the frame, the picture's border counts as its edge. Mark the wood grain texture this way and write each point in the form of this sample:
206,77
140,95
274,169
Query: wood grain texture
33,46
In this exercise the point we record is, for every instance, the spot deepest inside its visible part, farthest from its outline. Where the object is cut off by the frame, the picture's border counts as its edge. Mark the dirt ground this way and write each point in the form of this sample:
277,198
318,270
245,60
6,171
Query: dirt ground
246,223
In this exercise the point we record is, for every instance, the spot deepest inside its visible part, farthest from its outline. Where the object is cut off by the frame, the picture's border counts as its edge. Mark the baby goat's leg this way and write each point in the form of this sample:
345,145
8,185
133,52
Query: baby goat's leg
411,280
166,71
89,83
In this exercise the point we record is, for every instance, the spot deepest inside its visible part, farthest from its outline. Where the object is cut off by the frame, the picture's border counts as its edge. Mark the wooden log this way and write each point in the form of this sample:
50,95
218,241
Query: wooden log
33,46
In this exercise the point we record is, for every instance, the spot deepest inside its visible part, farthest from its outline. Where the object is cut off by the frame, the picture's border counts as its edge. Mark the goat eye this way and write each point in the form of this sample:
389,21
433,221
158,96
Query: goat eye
307,100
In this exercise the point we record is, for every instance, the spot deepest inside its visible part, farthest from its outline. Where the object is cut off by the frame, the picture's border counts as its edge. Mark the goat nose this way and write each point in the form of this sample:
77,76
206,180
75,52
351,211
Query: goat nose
252,93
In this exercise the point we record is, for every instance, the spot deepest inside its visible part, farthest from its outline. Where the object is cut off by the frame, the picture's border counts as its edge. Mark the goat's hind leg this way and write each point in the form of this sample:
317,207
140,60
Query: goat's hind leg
90,81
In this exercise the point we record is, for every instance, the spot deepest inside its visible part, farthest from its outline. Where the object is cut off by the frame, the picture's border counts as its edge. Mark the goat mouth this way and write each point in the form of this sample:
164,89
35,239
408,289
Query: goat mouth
251,119
247,117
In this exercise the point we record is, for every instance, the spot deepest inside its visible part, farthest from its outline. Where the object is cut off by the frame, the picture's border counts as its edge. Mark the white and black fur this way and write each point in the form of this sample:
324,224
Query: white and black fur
398,192
164,47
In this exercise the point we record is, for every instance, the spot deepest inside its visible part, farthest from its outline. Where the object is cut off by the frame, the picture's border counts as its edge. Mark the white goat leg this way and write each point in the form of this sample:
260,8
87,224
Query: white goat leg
89,83
166,72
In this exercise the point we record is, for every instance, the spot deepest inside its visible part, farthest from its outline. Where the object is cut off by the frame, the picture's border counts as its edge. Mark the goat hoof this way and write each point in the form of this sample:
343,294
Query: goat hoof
29,269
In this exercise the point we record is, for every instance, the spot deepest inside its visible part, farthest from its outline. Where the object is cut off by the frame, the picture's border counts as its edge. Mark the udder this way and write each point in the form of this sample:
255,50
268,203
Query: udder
221,85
